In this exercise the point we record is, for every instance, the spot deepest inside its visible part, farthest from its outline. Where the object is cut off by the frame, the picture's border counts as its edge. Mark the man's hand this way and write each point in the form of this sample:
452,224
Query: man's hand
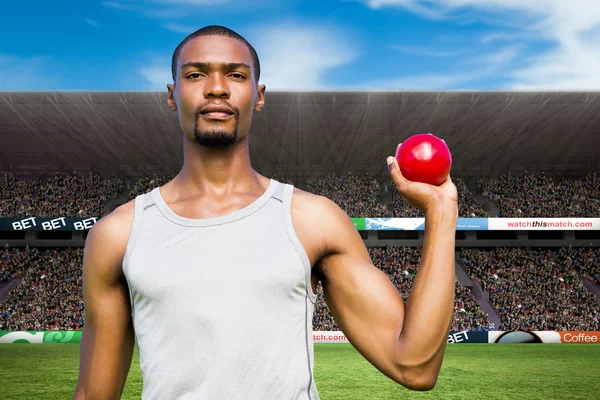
422,195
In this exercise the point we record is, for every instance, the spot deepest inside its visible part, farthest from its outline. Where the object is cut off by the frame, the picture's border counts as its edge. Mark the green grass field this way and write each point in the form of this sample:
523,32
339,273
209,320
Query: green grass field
544,371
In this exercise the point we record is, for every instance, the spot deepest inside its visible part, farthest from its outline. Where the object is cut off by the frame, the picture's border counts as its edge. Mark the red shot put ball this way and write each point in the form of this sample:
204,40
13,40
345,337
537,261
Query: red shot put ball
424,158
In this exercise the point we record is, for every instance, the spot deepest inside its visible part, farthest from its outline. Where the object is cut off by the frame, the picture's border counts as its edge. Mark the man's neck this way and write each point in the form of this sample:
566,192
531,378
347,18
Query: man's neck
217,170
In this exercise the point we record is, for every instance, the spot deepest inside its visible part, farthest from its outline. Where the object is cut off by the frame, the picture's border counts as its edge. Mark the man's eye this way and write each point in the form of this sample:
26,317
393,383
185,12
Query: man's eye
194,75
238,76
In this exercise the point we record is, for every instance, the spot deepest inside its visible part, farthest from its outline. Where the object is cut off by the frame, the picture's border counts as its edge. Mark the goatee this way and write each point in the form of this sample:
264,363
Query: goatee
216,137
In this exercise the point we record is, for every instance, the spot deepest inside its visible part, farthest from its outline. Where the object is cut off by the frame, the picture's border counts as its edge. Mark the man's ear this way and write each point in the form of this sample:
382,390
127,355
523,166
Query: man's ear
260,101
171,100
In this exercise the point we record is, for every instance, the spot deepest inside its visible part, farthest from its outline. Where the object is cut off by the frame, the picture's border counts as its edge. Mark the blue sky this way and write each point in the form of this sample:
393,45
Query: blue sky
126,45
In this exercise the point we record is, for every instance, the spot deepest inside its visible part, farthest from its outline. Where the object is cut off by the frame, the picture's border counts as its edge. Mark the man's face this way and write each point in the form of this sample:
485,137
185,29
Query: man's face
215,92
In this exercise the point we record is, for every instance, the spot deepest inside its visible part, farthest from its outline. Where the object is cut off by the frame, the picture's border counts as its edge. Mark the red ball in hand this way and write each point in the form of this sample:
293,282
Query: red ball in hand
424,158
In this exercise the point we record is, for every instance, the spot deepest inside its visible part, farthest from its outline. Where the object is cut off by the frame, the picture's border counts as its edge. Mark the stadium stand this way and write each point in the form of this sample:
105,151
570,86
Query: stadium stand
358,196
15,194
468,207
530,289
585,261
533,290
50,295
537,195
401,265
76,195
340,153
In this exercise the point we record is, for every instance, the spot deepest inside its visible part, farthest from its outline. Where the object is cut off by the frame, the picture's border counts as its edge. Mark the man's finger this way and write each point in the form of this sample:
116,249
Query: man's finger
396,174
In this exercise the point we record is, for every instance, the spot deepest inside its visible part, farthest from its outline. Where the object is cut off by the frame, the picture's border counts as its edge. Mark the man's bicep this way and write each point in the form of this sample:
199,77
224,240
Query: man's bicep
108,338
361,297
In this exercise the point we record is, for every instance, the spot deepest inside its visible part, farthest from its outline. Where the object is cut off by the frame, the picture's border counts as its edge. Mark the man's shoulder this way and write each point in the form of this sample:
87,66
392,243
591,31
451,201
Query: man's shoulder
123,214
114,229
313,207
323,227
106,244
311,203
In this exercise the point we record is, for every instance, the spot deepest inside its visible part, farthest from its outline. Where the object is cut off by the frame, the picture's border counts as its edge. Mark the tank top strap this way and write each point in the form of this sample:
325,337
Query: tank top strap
279,192
147,200
141,202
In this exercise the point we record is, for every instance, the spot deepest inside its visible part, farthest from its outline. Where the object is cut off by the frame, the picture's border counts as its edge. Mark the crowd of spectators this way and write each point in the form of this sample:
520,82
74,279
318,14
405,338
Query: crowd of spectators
401,207
533,290
586,261
526,195
14,262
50,295
587,192
540,196
76,195
530,289
358,196
63,195
467,206
15,194
400,264
516,195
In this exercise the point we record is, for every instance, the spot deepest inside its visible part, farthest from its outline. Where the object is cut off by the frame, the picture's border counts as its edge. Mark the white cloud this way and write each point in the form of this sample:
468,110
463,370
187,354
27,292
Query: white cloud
157,74
192,2
429,53
411,5
501,36
150,10
25,74
180,28
118,5
297,57
499,59
129,4
572,64
421,82
292,57
91,22
172,9
467,71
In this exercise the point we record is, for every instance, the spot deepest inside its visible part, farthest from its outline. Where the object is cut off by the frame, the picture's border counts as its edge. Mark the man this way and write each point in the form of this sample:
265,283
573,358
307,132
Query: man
217,269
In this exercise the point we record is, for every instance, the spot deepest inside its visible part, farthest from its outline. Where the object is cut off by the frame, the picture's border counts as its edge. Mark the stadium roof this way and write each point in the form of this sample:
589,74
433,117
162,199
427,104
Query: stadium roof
306,134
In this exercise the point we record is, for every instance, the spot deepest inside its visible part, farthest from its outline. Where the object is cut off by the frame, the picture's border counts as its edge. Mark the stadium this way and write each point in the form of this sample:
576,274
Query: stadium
527,241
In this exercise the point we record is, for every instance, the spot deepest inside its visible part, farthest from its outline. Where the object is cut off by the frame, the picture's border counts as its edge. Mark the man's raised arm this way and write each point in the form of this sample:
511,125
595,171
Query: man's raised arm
108,338
405,342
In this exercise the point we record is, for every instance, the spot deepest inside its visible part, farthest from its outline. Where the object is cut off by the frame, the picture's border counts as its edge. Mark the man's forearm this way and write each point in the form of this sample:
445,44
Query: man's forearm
430,305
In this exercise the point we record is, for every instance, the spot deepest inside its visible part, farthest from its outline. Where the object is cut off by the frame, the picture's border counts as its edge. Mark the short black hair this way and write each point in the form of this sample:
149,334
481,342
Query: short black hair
216,30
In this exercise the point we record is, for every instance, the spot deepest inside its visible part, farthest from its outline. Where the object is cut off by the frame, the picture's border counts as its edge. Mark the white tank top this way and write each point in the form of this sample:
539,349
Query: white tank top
222,307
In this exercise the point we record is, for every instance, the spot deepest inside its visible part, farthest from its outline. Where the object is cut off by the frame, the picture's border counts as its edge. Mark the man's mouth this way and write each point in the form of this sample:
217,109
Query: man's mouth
217,112
216,115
